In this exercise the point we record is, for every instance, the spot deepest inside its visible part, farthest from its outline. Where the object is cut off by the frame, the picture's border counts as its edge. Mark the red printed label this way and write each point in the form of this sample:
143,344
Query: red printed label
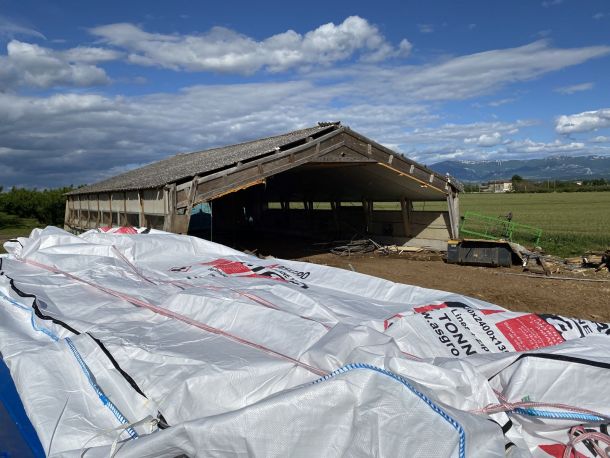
558,450
528,332
428,308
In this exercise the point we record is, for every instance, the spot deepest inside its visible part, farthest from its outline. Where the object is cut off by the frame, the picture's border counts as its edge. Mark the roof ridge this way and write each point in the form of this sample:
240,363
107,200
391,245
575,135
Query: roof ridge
320,124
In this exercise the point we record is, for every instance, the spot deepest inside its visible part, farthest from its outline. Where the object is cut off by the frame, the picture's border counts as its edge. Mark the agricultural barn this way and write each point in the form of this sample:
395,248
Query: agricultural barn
321,183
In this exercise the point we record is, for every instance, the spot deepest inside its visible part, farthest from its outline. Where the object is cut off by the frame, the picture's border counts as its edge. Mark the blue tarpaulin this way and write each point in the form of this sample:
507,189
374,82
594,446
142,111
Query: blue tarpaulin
17,435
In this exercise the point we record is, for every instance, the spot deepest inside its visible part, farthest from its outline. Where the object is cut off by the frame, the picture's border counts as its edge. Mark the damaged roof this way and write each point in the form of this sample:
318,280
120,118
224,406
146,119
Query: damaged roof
184,166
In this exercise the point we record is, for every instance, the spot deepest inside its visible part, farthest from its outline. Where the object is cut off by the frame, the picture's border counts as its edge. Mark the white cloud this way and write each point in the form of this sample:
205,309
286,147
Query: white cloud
224,50
425,28
75,138
548,3
575,88
583,122
461,77
521,149
452,135
86,54
82,138
600,139
598,16
485,140
27,64
497,103
467,76
528,146
9,28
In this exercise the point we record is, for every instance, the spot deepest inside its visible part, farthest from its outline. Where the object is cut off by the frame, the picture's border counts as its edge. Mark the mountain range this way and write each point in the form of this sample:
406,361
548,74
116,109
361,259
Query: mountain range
549,168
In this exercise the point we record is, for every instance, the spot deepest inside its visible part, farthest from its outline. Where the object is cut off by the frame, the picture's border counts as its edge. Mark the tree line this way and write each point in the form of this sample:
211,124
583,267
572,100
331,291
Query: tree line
47,206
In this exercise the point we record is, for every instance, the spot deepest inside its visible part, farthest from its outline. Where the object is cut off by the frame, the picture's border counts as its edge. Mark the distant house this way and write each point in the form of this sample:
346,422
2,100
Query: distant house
497,186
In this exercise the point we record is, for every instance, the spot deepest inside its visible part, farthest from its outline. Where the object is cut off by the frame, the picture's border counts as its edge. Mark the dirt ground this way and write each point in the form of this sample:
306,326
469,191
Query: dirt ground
582,299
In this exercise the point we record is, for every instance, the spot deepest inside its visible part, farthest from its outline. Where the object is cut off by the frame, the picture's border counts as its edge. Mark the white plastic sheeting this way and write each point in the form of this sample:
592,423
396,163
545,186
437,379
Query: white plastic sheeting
161,345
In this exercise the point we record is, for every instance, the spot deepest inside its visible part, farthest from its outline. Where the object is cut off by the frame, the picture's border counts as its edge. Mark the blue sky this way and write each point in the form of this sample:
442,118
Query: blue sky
92,89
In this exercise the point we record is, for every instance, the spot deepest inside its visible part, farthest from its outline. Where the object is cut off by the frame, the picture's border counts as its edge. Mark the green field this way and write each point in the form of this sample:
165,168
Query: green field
572,222
12,226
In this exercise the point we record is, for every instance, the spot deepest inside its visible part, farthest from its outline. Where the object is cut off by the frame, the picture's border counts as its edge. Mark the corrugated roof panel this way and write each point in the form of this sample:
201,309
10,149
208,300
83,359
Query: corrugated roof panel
184,166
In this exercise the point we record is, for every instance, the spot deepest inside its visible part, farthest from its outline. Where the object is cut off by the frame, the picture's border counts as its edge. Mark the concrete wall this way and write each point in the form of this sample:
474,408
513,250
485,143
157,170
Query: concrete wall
151,208
135,208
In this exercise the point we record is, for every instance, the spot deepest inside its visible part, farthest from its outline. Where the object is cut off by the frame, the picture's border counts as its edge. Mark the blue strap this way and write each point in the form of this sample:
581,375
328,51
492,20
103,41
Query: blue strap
583,417
405,383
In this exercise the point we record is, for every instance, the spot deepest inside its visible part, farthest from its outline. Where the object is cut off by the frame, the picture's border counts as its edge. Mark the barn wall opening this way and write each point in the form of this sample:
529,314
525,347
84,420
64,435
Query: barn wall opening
302,211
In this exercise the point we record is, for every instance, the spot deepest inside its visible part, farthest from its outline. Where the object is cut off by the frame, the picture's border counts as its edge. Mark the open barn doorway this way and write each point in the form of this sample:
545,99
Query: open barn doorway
307,209
247,220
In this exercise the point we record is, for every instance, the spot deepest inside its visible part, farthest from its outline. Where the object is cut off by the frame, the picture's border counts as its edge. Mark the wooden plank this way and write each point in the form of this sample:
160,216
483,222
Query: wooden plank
281,154
363,141
413,177
400,164
211,189
191,195
454,213
344,154
231,191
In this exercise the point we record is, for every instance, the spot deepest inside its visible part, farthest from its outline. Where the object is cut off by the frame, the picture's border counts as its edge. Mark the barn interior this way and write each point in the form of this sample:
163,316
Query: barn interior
303,209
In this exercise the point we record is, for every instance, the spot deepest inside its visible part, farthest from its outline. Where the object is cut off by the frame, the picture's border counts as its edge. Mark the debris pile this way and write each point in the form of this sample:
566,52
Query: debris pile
588,263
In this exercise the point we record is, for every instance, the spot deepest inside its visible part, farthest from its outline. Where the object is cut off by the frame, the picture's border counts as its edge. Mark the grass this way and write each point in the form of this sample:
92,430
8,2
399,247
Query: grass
571,222
12,226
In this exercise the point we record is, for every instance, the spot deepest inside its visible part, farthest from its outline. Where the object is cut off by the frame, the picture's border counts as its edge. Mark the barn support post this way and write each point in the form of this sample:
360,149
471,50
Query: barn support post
310,214
180,222
141,218
79,223
71,212
88,211
99,215
170,207
168,197
67,213
453,207
110,207
125,222
406,207
286,211
336,208
367,208
165,208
